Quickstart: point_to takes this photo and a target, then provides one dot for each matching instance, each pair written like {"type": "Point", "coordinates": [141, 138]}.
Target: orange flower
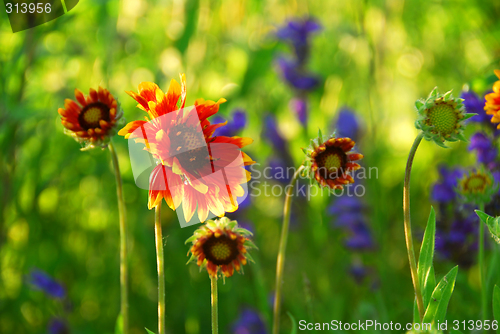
{"type": "Point", "coordinates": [492, 105]}
{"type": "Point", "coordinates": [202, 172]}
{"type": "Point", "coordinates": [221, 245]}
{"type": "Point", "coordinates": [330, 161]}
{"type": "Point", "coordinates": [94, 121]}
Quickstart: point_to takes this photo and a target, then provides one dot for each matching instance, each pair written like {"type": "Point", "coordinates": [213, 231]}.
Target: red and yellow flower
{"type": "Point", "coordinates": [93, 120]}
{"type": "Point", "coordinates": [330, 161]}
{"type": "Point", "coordinates": [492, 105]}
{"type": "Point", "coordinates": [195, 168]}
{"type": "Point", "coordinates": [221, 246]}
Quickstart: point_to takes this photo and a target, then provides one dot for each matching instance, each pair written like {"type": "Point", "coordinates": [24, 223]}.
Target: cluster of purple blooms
{"type": "Point", "coordinates": [457, 226]}
{"type": "Point", "coordinates": [293, 68]}
{"type": "Point", "coordinates": [349, 212]}
{"type": "Point", "coordinates": [40, 280]}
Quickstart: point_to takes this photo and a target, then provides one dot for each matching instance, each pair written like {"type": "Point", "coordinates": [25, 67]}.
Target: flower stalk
{"type": "Point", "coordinates": [282, 249]}
{"type": "Point", "coordinates": [215, 305]}
{"type": "Point", "coordinates": [481, 267]}
{"type": "Point", "coordinates": [161, 270]}
{"type": "Point", "coordinates": [407, 226]}
{"type": "Point", "coordinates": [123, 240]}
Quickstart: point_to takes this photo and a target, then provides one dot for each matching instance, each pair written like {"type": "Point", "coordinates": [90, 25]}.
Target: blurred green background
{"type": "Point", "coordinates": [58, 207]}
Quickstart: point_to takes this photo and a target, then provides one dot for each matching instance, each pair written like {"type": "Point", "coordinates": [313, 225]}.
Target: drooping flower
{"type": "Point", "coordinates": [93, 120]}
{"type": "Point", "coordinates": [330, 160]}
{"type": "Point", "coordinates": [195, 168]}
{"type": "Point", "coordinates": [42, 281]}
{"type": "Point", "coordinates": [444, 190]}
{"type": "Point", "coordinates": [248, 322]}
{"type": "Point", "coordinates": [492, 105]}
{"type": "Point", "coordinates": [478, 187]}
{"type": "Point", "coordinates": [441, 118]}
{"type": "Point", "coordinates": [221, 246]}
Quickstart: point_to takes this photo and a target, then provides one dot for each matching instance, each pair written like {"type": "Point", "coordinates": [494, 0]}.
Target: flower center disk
{"type": "Point", "coordinates": [443, 117]}
{"type": "Point", "coordinates": [331, 162]}
{"type": "Point", "coordinates": [221, 251]}
{"type": "Point", "coordinates": [92, 114]}
{"type": "Point", "coordinates": [189, 147]}
{"type": "Point", "coordinates": [475, 183]}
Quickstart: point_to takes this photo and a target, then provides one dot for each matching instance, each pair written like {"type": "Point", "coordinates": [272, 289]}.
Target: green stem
{"type": "Point", "coordinates": [215, 304]}
{"type": "Point", "coordinates": [407, 227]}
{"type": "Point", "coordinates": [123, 240]}
{"type": "Point", "coordinates": [280, 264]}
{"type": "Point", "coordinates": [161, 272]}
{"type": "Point", "coordinates": [481, 267]}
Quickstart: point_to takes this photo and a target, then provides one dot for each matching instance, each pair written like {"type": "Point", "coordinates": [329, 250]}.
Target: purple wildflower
{"type": "Point", "coordinates": [297, 32]}
{"type": "Point", "coordinates": [42, 281]}
{"type": "Point", "coordinates": [249, 322]}
{"type": "Point", "coordinates": [235, 123]}
{"type": "Point", "coordinates": [347, 124]}
{"type": "Point", "coordinates": [296, 76]}
{"type": "Point", "coordinates": [299, 105]}
{"type": "Point", "coordinates": [484, 147]}
{"type": "Point", "coordinates": [443, 191]}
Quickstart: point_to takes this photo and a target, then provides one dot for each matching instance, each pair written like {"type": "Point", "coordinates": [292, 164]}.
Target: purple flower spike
{"type": "Point", "coordinates": [444, 190]}
{"type": "Point", "coordinates": [42, 281]}
{"type": "Point", "coordinates": [474, 104]}
{"type": "Point", "coordinates": [297, 77]}
{"type": "Point", "coordinates": [297, 32]}
{"type": "Point", "coordinates": [347, 124]}
{"type": "Point", "coordinates": [236, 122]}
{"type": "Point", "coordinates": [484, 147]}
{"type": "Point", "coordinates": [299, 106]}
{"type": "Point", "coordinates": [271, 133]}
{"type": "Point", "coordinates": [249, 322]}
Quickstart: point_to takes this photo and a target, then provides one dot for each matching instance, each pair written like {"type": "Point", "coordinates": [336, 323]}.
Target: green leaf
{"type": "Point", "coordinates": [454, 331]}
{"type": "Point", "coordinates": [149, 332]}
{"type": "Point", "coordinates": [496, 303]}
{"type": "Point", "coordinates": [492, 223]}
{"type": "Point", "coordinates": [119, 324]}
{"type": "Point", "coordinates": [436, 310]}
{"type": "Point", "coordinates": [294, 323]}
{"type": "Point", "coordinates": [483, 216]}
{"type": "Point", "coordinates": [427, 255]}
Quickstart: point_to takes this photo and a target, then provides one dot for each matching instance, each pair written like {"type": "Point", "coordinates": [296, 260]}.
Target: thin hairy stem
{"type": "Point", "coordinates": [215, 305]}
{"type": "Point", "coordinates": [123, 240]}
{"type": "Point", "coordinates": [282, 249]}
{"type": "Point", "coordinates": [161, 270]}
{"type": "Point", "coordinates": [407, 227]}
{"type": "Point", "coordinates": [484, 308]}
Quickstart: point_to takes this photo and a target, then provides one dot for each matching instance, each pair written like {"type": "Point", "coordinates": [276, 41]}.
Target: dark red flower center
{"type": "Point", "coordinates": [331, 162]}
{"type": "Point", "coordinates": [92, 114]}
{"type": "Point", "coordinates": [189, 147]}
{"type": "Point", "coordinates": [220, 251]}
